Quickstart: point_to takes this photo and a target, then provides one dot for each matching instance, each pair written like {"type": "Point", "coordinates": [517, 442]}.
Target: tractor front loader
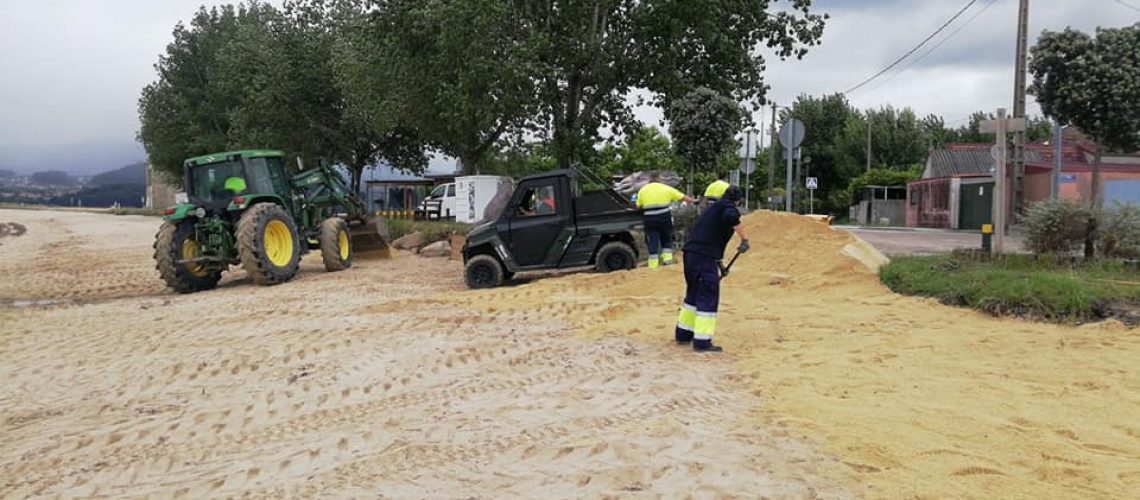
{"type": "Point", "coordinates": [243, 208]}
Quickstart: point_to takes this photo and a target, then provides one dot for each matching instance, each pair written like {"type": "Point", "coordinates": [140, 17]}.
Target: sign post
{"type": "Point", "coordinates": [812, 185]}
{"type": "Point", "coordinates": [749, 164]}
{"type": "Point", "coordinates": [791, 136]}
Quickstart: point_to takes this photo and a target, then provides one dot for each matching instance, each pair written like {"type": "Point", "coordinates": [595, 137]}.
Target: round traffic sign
{"type": "Point", "coordinates": [792, 133]}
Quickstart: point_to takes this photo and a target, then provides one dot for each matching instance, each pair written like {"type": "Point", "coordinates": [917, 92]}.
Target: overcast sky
{"type": "Point", "coordinates": [73, 69]}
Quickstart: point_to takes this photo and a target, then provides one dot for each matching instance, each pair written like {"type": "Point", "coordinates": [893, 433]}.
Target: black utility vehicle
{"type": "Point", "coordinates": [550, 223]}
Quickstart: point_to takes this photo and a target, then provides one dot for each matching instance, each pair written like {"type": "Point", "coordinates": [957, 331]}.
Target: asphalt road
{"type": "Point", "coordinates": [898, 241]}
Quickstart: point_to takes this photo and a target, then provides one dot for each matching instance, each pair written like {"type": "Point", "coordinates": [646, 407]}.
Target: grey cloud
{"type": "Point", "coordinates": [74, 69]}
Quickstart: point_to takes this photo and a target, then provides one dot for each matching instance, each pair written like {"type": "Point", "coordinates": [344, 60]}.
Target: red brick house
{"type": "Point", "coordinates": [956, 191]}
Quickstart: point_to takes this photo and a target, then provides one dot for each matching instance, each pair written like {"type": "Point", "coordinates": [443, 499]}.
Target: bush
{"type": "Point", "coordinates": [1118, 231]}
{"type": "Point", "coordinates": [433, 230]}
{"type": "Point", "coordinates": [1056, 226]}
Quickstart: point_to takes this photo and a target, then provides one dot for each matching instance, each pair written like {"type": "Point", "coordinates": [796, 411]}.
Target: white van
{"type": "Point", "coordinates": [439, 204]}
{"type": "Point", "coordinates": [464, 200]}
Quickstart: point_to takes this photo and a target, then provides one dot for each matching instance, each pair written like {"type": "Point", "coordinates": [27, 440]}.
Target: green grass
{"type": "Point", "coordinates": [433, 230]}
{"type": "Point", "coordinates": [1020, 285]}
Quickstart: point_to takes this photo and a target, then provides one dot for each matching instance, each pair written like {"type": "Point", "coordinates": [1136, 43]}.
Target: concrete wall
{"type": "Point", "coordinates": [159, 194]}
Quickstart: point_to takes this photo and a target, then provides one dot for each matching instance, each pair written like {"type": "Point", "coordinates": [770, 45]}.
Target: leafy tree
{"type": "Point", "coordinates": [897, 138]}
{"type": "Point", "coordinates": [456, 72]}
{"type": "Point", "coordinates": [825, 120]}
{"type": "Point", "coordinates": [646, 149]}
{"type": "Point", "coordinates": [519, 160]}
{"type": "Point", "coordinates": [253, 76]}
{"type": "Point", "coordinates": [1038, 128]}
{"type": "Point", "coordinates": [879, 177]}
{"type": "Point", "coordinates": [591, 54]}
{"type": "Point", "coordinates": [703, 125]}
{"type": "Point", "coordinates": [1093, 84]}
{"type": "Point", "coordinates": [185, 112]}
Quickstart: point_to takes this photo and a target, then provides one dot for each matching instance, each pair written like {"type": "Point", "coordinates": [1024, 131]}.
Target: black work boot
{"type": "Point", "coordinates": [683, 336]}
{"type": "Point", "coordinates": [706, 345]}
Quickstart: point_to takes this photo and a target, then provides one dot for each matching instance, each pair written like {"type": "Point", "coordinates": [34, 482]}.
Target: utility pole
{"type": "Point", "coordinates": [747, 158]}
{"type": "Point", "coordinates": [772, 156]}
{"type": "Point", "coordinates": [868, 143]}
{"type": "Point", "coordinates": [1057, 138]}
{"type": "Point", "coordinates": [1000, 127]}
{"type": "Point", "coordinates": [1019, 104]}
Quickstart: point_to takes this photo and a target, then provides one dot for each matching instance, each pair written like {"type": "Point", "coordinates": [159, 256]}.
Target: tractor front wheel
{"type": "Point", "coordinates": [177, 242]}
{"type": "Point", "coordinates": [268, 244]}
{"type": "Point", "coordinates": [336, 250]}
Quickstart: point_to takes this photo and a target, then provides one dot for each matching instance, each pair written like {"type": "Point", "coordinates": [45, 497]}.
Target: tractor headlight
{"type": "Point", "coordinates": [200, 213]}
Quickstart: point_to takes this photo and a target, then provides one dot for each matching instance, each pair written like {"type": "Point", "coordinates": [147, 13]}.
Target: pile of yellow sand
{"type": "Point", "coordinates": [916, 399]}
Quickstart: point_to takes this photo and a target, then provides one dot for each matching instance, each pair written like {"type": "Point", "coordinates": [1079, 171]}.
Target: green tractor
{"type": "Point", "coordinates": [243, 208]}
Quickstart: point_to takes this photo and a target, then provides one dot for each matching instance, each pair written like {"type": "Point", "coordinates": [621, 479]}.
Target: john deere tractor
{"type": "Point", "coordinates": [244, 208]}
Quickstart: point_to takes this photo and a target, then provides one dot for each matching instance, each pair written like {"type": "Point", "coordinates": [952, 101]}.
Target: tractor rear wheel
{"type": "Point", "coordinates": [175, 242]}
{"type": "Point", "coordinates": [336, 250]}
{"type": "Point", "coordinates": [268, 244]}
{"type": "Point", "coordinates": [483, 271]}
{"type": "Point", "coordinates": [615, 256]}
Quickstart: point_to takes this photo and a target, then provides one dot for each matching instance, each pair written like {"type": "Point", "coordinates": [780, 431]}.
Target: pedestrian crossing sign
{"type": "Point", "coordinates": [813, 183]}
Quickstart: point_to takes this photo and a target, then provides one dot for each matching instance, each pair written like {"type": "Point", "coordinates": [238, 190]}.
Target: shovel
{"type": "Point", "coordinates": [724, 269]}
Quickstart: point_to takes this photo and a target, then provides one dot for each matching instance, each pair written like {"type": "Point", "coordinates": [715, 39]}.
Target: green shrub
{"type": "Point", "coordinates": [433, 230]}
{"type": "Point", "coordinates": [1118, 231]}
{"type": "Point", "coordinates": [1056, 226]}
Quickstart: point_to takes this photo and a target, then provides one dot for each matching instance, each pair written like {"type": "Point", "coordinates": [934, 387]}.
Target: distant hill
{"type": "Point", "coordinates": [127, 195]}
{"type": "Point", "coordinates": [134, 173]}
{"type": "Point", "coordinates": [4, 173]}
{"type": "Point", "coordinates": [52, 178]}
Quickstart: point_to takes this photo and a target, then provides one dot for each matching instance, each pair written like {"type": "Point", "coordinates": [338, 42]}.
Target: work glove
{"type": "Point", "coordinates": [744, 246]}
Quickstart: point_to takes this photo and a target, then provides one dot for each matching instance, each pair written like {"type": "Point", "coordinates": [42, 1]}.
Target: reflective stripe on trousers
{"type": "Point", "coordinates": [686, 320]}
{"type": "Point", "coordinates": [702, 291]}
{"type": "Point", "coordinates": [704, 326]}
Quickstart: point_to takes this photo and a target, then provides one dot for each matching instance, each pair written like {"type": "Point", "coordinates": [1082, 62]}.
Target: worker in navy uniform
{"type": "Point", "coordinates": [655, 199]}
{"type": "Point", "coordinates": [715, 191]}
{"type": "Point", "coordinates": [703, 253]}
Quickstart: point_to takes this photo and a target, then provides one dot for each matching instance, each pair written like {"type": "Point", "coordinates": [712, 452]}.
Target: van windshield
{"type": "Point", "coordinates": [438, 191]}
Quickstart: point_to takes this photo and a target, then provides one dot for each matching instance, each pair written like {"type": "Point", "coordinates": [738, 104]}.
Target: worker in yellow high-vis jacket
{"type": "Point", "coordinates": [654, 199]}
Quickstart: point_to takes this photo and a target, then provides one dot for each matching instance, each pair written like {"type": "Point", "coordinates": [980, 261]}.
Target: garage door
{"type": "Point", "coordinates": [1122, 191]}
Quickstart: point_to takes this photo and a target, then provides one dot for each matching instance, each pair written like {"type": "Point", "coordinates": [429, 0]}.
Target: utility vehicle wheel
{"type": "Point", "coordinates": [615, 256]}
{"type": "Point", "coordinates": [268, 244]}
{"type": "Point", "coordinates": [484, 271]}
{"type": "Point", "coordinates": [175, 242]}
{"type": "Point", "coordinates": [336, 250]}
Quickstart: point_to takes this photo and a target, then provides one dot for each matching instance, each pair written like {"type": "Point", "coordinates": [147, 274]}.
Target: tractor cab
{"type": "Point", "coordinates": [225, 180]}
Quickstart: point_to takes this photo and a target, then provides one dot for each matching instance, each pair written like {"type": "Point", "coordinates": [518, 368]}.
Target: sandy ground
{"type": "Point", "coordinates": [388, 380]}
{"type": "Point", "coordinates": [917, 400]}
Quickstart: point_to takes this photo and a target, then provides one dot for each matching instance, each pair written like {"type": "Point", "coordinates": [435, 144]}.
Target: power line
{"type": "Point", "coordinates": [913, 50]}
{"type": "Point", "coordinates": [939, 44]}
{"type": "Point", "coordinates": [951, 35]}
{"type": "Point", "coordinates": [1121, 2]}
